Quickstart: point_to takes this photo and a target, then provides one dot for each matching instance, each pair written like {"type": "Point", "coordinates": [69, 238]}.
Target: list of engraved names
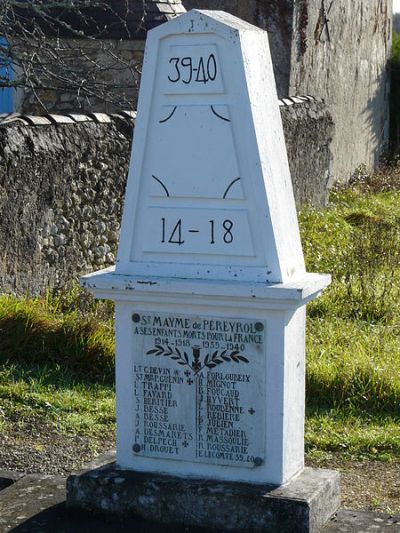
{"type": "Point", "coordinates": [199, 388]}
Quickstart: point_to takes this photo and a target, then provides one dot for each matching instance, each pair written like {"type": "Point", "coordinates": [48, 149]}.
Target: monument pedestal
{"type": "Point", "coordinates": [210, 376]}
{"type": "Point", "coordinates": [303, 505]}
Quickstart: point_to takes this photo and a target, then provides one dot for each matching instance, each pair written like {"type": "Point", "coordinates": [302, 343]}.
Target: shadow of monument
{"type": "Point", "coordinates": [60, 519]}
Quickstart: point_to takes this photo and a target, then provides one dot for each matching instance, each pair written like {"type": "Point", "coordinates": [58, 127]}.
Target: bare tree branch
{"type": "Point", "coordinates": [78, 47]}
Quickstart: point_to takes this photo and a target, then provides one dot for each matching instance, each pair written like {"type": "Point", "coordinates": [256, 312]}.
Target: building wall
{"type": "Point", "coordinates": [116, 65]}
{"type": "Point", "coordinates": [345, 61]}
{"type": "Point", "coordinates": [62, 189]}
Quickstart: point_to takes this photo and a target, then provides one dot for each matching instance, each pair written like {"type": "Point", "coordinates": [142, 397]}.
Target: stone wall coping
{"type": "Point", "coordinates": [104, 118]}
{"type": "Point", "coordinates": [70, 118]}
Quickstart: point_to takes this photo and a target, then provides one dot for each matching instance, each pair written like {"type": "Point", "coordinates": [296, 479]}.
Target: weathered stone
{"type": "Point", "coordinates": [46, 195]}
{"type": "Point", "coordinates": [309, 130]}
{"type": "Point", "coordinates": [302, 505]}
{"type": "Point", "coordinates": [59, 240]}
{"type": "Point", "coordinates": [27, 497]}
{"type": "Point", "coordinates": [52, 174]}
{"type": "Point", "coordinates": [37, 504]}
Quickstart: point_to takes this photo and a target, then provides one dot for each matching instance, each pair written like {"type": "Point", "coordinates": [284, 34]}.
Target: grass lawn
{"type": "Point", "coordinates": [56, 356]}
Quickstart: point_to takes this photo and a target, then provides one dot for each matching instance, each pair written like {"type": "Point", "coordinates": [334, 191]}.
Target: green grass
{"type": "Point", "coordinates": [57, 352]}
{"type": "Point", "coordinates": [353, 329]}
{"type": "Point", "coordinates": [57, 399]}
{"type": "Point", "coordinates": [57, 364]}
{"type": "Point", "coordinates": [352, 433]}
{"type": "Point", "coordinates": [68, 329]}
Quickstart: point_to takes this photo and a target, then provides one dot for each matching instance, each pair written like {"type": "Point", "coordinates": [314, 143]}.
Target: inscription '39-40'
{"type": "Point", "coordinates": [198, 70]}
{"type": "Point", "coordinates": [192, 69]}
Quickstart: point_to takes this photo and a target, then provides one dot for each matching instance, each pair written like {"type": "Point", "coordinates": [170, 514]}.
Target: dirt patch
{"type": "Point", "coordinates": [367, 485]}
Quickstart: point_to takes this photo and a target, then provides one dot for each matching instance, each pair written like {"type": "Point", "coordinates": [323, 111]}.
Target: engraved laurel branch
{"type": "Point", "coordinates": [211, 360]}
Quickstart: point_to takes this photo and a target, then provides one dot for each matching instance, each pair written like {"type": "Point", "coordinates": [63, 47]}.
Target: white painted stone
{"type": "Point", "coordinates": [209, 178]}
{"type": "Point", "coordinates": [279, 307]}
{"type": "Point", "coordinates": [210, 285]}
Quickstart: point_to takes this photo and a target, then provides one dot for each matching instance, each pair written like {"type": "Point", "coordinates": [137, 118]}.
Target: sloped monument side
{"type": "Point", "coordinates": [210, 290]}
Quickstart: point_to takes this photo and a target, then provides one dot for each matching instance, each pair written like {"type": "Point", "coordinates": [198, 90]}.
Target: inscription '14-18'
{"type": "Point", "coordinates": [174, 234]}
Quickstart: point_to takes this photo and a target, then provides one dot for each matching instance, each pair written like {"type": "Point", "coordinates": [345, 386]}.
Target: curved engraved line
{"type": "Point", "coordinates": [162, 185]}
{"type": "Point", "coordinates": [219, 116]}
{"type": "Point", "coordinates": [169, 116]}
{"type": "Point", "coordinates": [230, 186]}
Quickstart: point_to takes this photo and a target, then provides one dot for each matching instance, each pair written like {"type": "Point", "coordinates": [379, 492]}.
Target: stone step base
{"type": "Point", "coordinates": [28, 497]}
{"type": "Point", "coordinates": [304, 505]}
{"type": "Point", "coordinates": [36, 503]}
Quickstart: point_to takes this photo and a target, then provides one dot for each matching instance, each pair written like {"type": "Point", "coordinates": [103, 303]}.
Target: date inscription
{"type": "Point", "coordinates": [198, 231]}
{"type": "Point", "coordinates": [188, 69]}
{"type": "Point", "coordinates": [192, 70]}
{"type": "Point", "coordinates": [173, 234]}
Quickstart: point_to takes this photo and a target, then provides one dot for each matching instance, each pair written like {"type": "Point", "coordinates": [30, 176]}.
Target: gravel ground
{"type": "Point", "coordinates": [369, 485]}
{"type": "Point", "coordinates": [45, 451]}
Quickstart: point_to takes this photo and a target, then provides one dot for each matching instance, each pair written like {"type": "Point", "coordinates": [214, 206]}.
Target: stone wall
{"type": "Point", "coordinates": [61, 191]}
{"type": "Point", "coordinates": [62, 183]}
{"type": "Point", "coordinates": [309, 130]}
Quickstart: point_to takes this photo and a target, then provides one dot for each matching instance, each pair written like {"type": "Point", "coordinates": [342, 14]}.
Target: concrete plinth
{"type": "Point", "coordinates": [302, 505]}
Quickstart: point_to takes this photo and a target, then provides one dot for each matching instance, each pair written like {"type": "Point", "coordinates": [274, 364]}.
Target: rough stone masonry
{"type": "Point", "coordinates": [62, 184]}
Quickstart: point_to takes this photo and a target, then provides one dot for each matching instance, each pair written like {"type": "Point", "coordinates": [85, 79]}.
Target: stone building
{"type": "Point", "coordinates": [108, 55]}
{"type": "Point", "coordinates": [337, 50]}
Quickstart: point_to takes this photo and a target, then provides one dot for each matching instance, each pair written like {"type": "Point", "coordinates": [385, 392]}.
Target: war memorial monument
{"type": "Point", "coordinates": [210, 293]}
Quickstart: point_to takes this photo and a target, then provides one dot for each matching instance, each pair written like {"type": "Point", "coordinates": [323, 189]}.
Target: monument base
{"type": "Point", "coordinates": [304, 504]}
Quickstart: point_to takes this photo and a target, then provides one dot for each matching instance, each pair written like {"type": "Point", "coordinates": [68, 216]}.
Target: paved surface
{"type": "Point", "coordinates": [36, 504]}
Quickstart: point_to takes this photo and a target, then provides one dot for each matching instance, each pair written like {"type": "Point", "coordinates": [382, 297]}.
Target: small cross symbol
{"type": "Point", "coordinates": [190, 381]}
{"type": "Point", "coordinates": [251, 411]}
{"type": "Point", "coordinates": [187, 373]}
{"type": "Point", "coordinates": [185, 444]}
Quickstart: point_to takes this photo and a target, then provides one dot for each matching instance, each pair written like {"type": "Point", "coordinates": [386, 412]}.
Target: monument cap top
{"type": "Point", "coordinates": [203, 19]}
{"type": "Point", "coordinates": [209, 193]}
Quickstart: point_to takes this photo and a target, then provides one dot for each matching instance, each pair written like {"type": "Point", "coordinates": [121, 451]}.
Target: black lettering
{"type": "Point", "coordinates": [178, 74]}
